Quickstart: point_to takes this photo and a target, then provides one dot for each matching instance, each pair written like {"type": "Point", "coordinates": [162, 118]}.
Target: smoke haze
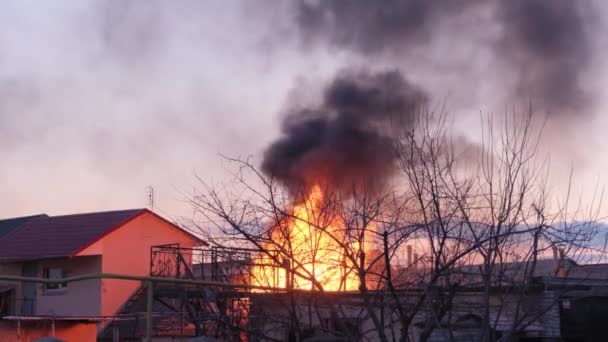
{"type": "Point", "coordinates": [545, 44]}
{"type": "Point", "coordinates": [99, 99]}
{"type": "Point", "coordinates": [548, 45]}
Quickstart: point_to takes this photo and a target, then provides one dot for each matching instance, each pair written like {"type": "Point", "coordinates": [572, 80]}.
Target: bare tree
{"type": "Point", "coordinates": [479, 218]}
{"type": "Point", "coordinates": [485, 219]}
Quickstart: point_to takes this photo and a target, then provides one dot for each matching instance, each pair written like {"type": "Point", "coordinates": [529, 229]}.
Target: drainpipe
{"type": "Point", "coordinates": [115, 333]}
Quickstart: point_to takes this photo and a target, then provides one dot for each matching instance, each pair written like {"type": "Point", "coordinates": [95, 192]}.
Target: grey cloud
{"type": "Point", "coordinates": [546, 44]}
{"type": "Point", "coordinates": [549, 45]}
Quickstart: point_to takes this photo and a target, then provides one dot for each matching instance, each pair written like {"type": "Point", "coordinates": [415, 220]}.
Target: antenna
{"type": "Point", "coordinates": [150, 196]}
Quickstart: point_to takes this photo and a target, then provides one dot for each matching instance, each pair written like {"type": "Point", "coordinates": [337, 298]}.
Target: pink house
{"type": "Point", "coordinates": [65, 246]}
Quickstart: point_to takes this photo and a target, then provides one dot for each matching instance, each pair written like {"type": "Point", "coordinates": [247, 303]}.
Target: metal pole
{"type": "Point", "coordinates": [115, 332]}
{"type": "Point", "coordinates": [149, 302]}
{"type": "Point", "coordinates": [166, 280]}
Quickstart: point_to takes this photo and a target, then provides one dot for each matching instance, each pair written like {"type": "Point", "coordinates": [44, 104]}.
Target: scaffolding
{"type": "Point", "coordinates": [217, 311]}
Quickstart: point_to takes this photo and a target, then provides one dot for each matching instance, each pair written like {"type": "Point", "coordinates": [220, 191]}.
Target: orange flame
{"type": "Point", "coordinates": [313, 246]}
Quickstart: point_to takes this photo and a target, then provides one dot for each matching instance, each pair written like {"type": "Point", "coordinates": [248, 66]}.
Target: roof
{"type": "Point", "coordinates": [8, 225]}
{"type": "Point", "coordinates": [502, 275]}
{"type": "Point", "coordinates": [43, 236]}
{"type": "Point", "coordinates": [591, 271]}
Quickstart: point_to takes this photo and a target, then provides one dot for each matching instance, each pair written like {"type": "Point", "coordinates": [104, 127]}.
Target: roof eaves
{"type": "Point", "coordinates": [141, 212]}
{"type": "Point", "coordinates": [31, 258]}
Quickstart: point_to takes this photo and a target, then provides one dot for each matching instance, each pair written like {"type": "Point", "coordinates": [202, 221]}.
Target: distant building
{"type": "Point", "coordinates": [118, 242]}
{"type": "Point", "coordinates": [563, 301]}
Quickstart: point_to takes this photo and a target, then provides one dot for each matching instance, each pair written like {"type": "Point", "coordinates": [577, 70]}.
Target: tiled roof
{"type": "Point", "coordinates": [8, 225]}
{"type": "Point", "coordinates": [45, 236]}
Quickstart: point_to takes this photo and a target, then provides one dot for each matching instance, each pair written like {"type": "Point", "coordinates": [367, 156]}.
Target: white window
{"type": "Point", "coordinates": [54, 273]}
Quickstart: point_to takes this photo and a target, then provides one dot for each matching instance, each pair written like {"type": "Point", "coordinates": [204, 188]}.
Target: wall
{"type": "Point", "coordinates": [80, 298]}
{"type": "Point", "coordinates": [127, 251]}
{"type": "Point", "coordinates": [32, 330]}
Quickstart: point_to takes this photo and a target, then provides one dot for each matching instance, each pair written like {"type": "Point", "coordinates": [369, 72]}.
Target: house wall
{"type": "Point", "coordinates": [32, 330]}
{"type": "Point", "coordinates": [80, 298]}
{"type": "Point", "coordinates": [127, 251]}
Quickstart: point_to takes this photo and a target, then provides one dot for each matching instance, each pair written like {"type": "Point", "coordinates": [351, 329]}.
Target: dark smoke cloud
{"type": "Point", "coordinates": [548, 44]}
{"type": "Point", "coordinates": [545, 44]}
{"type": "Point", "coordinates": [343, 141]}
{"type": "Point", "coordinates": [372, 27]}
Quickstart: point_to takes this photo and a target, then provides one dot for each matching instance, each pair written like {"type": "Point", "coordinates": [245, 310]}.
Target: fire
{"type": "Point", "coordinates": [312, 244]}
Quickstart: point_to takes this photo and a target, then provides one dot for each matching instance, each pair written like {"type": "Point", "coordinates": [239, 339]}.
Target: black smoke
{"type": "Point", "coordinates": [545, 44]}
{"type": "Point", "coordinates": [343, 142]}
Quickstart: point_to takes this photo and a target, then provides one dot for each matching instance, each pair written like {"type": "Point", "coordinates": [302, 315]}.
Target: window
{"type": "Point", "coordinates": [7, 301]}
{"type": "Point", "coordinates": [54, 273]}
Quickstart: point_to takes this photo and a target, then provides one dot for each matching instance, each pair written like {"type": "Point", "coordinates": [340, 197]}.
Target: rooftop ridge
{"type": "Point", "coordinates": [23, 217]}
{"type": "Point", "coordinates": [98, 212]}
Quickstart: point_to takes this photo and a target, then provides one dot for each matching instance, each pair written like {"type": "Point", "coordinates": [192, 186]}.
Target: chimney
{"type": "Point", "coordinates": [410, 262]}
{"type": "Point", "coordinates": [555, 261]}
{"type": "Point", "coordinates": [562, 263]}
{"type": "Point", "coordinates": [559, 267]}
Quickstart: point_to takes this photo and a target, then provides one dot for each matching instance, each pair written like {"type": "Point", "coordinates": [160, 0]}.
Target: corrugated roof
{"type": "Point", "coordinates": [60, 236]}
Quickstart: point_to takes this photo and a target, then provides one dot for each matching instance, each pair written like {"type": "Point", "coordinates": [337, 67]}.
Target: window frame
{"type": "Point", "coordinates": [54, 272]}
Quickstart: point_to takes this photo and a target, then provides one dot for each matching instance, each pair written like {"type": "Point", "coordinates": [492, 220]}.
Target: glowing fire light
{"type": "Point", "coordinates": [312, 244]}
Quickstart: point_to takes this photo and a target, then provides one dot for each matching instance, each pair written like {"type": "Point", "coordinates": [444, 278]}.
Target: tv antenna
{"type": "Point", "coordinates": [150, 196]}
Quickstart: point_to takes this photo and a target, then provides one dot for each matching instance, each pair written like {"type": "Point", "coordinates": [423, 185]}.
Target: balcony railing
{"type": "Point", "coordinates": [214, 264]}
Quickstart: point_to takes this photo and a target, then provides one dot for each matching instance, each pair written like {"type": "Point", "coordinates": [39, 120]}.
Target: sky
{"type": "Point", "coordinates": [100, 99]}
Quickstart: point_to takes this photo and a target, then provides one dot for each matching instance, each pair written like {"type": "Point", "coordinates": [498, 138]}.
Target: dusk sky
{"type": "Point", "coordinates": [99, 99]}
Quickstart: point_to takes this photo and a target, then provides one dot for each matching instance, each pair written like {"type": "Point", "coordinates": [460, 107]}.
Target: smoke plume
{"type": "Point", "coordinates": [545, 44]}
{"type": "Point", "coordinates": [344, 141]}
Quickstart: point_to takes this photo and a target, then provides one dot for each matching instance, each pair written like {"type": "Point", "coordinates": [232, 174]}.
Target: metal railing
{"type": "Point", "coordinates": [221, 264]}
